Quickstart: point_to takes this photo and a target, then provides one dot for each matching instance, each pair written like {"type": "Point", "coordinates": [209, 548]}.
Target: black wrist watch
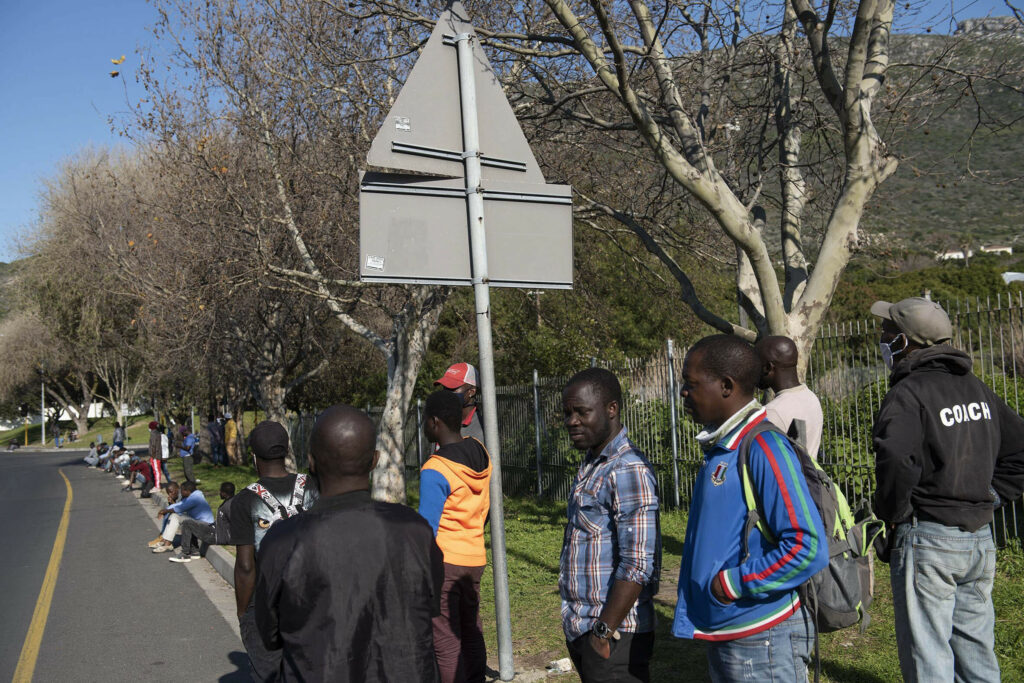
{"type": "Point", "coordinates": [601, 630]}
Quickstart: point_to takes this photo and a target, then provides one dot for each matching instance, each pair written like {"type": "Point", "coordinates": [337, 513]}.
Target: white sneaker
{"type": "Point", "coordinates": [180, 558]}
{"type": "Point", "coordinates": [120, 476]}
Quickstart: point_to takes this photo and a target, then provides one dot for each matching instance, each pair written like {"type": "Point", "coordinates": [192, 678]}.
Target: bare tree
{"type": "Point", "coordinates": [299, 92]}
{"type": "Point", "coordinates": [693, 126]}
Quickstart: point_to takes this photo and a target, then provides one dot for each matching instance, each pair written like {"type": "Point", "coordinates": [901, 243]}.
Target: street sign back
{"type": "Point", "coordinates": [423, 131]}
{"type": "Point", "coordinates": [414, 230]}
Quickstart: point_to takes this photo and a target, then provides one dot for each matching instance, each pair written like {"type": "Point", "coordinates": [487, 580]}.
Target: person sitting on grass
{"type": "Point", "coordinates": [194, 531]}
{"type": "Point", "coordinates": [192, 505]}
{"type": "Point", "coordinates": [173, 491]}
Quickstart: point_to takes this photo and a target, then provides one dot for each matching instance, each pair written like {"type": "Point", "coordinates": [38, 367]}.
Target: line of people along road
{"type": "Point", "coordinates": [332, 585]}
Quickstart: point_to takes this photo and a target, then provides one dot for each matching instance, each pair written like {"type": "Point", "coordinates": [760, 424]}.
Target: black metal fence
{"type": "Point", "coordinates": [845, 370]}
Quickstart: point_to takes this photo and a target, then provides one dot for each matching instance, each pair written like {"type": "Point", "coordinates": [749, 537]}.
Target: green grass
{"type": "Point", "coordinates": [211, 478]}
{"type": "Point", "coordinates": [533, 535]}
{"type": "Point", "coordinates": [136, 432]}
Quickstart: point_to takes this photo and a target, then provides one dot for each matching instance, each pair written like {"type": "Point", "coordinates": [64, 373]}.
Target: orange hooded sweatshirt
{"type": "Point", "coordinates": [455, 491]}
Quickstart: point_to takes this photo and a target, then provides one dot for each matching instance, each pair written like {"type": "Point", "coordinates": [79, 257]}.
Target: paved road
{"type": "Point", "coordinates": [119, 612]}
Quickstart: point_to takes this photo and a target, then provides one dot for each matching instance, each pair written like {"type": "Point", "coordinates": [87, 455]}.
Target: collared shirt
{"type": "Point", "coordinates": [613, 534]}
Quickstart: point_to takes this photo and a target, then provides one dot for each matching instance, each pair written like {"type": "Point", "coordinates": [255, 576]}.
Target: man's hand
{"type": "Point", "coordinates": [718, 592]}
{"type": "Point", "coordinates": [601, 646]}
{"type": "Point", "coordinates": [161, 513]}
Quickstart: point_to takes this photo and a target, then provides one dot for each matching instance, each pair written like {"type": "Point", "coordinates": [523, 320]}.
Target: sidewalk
{"type": "Point", "coordinates": [223, 562]}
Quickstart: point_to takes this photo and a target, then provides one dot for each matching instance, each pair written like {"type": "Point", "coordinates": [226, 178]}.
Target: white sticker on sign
{"type": "Point", "coordinates": [402, 123]}
{"type": "Point", "coordinates": [375, 262]}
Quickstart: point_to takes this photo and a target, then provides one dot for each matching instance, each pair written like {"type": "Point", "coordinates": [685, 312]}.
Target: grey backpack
{"type": "Point", "coordinates": [839, 595]}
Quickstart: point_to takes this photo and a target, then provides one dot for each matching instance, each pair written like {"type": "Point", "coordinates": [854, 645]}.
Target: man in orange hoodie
{"type": "Point", "coordinates": [455, 499]}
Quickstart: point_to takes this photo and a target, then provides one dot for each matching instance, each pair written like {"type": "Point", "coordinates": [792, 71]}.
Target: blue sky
{"type": "Point", "coordinates": [56, 93]}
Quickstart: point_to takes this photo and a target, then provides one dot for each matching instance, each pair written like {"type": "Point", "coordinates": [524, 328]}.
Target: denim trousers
{"type": "Point", "coordinates": [780, 654]}
{"type": "Point", "coordinates": [942, 595]}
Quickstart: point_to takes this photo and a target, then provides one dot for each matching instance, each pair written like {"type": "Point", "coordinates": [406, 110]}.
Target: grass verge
{"type": "Point", "coordinates": [533, 534]}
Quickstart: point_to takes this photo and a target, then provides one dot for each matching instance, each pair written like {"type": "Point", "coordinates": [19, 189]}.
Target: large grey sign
{"type": "Point", "coordinates": [414, 228]}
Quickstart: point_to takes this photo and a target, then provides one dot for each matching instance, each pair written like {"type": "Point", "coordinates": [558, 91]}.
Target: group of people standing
{"type": "Point", "coordinates": [949, 452]}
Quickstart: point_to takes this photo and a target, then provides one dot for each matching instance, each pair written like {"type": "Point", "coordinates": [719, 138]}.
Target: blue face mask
{"type": "Point", "coordinates": [888, 353]}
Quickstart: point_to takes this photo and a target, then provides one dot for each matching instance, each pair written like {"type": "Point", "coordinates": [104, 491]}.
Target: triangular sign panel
{"type": "Point", "coordinates": [423, 131]}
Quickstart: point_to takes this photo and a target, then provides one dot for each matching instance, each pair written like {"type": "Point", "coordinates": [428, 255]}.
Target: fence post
{"type": "Point", "coordinates": [419, 430]}
{"type": "Point", "coordinates": [536, 429]}
{"type": "Point", "coordinates": [673, 421]}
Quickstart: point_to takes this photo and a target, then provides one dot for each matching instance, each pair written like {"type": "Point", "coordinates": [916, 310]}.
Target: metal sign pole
{"type": "Point", "coordinates": [42, 413]}
{"type": "Point", "coordinates": [674, 421]}
{"type": "Point", "coordinates": [482, 295]}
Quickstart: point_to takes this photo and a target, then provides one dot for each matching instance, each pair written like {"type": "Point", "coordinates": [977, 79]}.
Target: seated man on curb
{"type": "Point", "coordinates": [93, 459]}
{"type": "Point", "coordinates": [196, 531]}
{"type": "Point", "coordinates": [122, 461]}
{"type": "Point", "coordinates": [141, 467]}
{"type": "Point", "coordinates": [172, 491]}
{"type": "Point", "coordinates": [192, 505]}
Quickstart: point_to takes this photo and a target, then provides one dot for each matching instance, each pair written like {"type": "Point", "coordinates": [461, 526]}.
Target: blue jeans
{"type": "Point", "coordinates": [780, 654]}
{"type": "Point", "coordinates": [942, 596]}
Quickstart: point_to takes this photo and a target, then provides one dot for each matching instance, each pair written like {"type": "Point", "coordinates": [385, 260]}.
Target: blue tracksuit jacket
{"type": "Point", "coordinates": [764, 587]}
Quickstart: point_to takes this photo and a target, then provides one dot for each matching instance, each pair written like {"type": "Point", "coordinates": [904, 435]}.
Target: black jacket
{"type": "Point", "coordinates": [943, 441]}
{"type": "Point", "coordinates": [348, 589]}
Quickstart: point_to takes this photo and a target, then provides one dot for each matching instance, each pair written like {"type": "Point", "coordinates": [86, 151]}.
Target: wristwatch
{"type": "Point", "coordinates": [601, 630]}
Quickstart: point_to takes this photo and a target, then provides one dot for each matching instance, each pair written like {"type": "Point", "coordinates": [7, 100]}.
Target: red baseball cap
{"type": "Point", "coordinates": [457, 375]}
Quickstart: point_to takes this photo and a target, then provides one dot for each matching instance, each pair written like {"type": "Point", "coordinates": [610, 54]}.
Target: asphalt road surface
{"type": "Point", "coordinates": [118, 612]}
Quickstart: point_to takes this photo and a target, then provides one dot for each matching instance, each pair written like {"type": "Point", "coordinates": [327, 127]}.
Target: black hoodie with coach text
{"type": "Point", "coordinates": [945, 444]}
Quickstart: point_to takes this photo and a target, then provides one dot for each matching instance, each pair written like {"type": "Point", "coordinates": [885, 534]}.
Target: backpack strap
{"type": "Point", "coordinates": [298, 494]}
{"type": "Point", "coordinates": [279, 511]}
{"type": "Point", "coordinates": [755, 515]}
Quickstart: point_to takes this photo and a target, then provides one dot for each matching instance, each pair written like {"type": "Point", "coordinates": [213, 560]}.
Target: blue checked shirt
{"type": "Point", "coordinates": [613, 533]}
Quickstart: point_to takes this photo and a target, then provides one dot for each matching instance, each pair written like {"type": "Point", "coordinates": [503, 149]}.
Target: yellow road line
{"type": "Point", "coordinates": [34, 637]}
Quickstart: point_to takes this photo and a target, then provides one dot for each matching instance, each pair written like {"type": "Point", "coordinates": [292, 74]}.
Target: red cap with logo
{"type": "Point", "coordinates": [457, 375]}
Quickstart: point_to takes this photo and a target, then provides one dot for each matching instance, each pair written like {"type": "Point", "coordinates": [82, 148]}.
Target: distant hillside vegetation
{"type": "Point", "coordinates": [960, 176]}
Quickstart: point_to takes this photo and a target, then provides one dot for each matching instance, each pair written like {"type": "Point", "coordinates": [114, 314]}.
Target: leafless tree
{"type": "Point", "coordinates": [695, 126]}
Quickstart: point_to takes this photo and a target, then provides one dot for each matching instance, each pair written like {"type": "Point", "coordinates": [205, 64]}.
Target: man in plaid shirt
{"type": "Point", "coordinates": [611, 552]}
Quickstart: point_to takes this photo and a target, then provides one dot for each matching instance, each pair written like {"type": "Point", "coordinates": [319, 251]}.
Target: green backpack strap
{"type": "Point", "coordinates": [755, 515]}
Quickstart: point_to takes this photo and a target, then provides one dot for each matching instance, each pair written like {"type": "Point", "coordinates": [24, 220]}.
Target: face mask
{"type": "Point", "coordinates": [888, 353]}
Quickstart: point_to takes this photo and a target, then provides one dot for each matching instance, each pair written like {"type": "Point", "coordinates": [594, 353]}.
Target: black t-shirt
{"type": "Point", "coordinates": [250, 515]}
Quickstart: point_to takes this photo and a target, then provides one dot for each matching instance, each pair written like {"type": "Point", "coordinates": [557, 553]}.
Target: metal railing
{"type": "Point", "coordinates": [845, 370]}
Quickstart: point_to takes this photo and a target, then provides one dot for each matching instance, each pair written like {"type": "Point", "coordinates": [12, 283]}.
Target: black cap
{"type": "Point", "coordinates": [269, 440]}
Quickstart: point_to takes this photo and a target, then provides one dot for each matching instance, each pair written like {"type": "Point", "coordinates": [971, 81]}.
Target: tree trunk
{"type": "Point", "coordinates": [413, 330]}
{"type": "Point", "coordinates": [271, 396]}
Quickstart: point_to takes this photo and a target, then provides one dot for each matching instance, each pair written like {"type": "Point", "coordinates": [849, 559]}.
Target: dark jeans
{"type": "Point", "coordinates": [192, 529]}
{"type": "Point", "coordinates": [629, 661]}
{"type": "Point", "coordinates": [458, 631]}
{"type": "Point", "coordinates": [264, 664]}
{"type": "Point", "coordinates": [186, 463]}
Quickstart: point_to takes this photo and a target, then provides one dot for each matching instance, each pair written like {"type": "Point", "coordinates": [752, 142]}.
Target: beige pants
{"type": "Point", "coordinates": [173, 524]}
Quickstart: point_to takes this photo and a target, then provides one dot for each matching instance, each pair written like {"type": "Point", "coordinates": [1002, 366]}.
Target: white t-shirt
{"type": "Point", "coordinates": [798, 403]}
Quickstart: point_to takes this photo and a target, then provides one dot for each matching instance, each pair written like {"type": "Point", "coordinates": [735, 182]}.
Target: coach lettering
{"type": "Point", "coordinates": [971, 412]}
